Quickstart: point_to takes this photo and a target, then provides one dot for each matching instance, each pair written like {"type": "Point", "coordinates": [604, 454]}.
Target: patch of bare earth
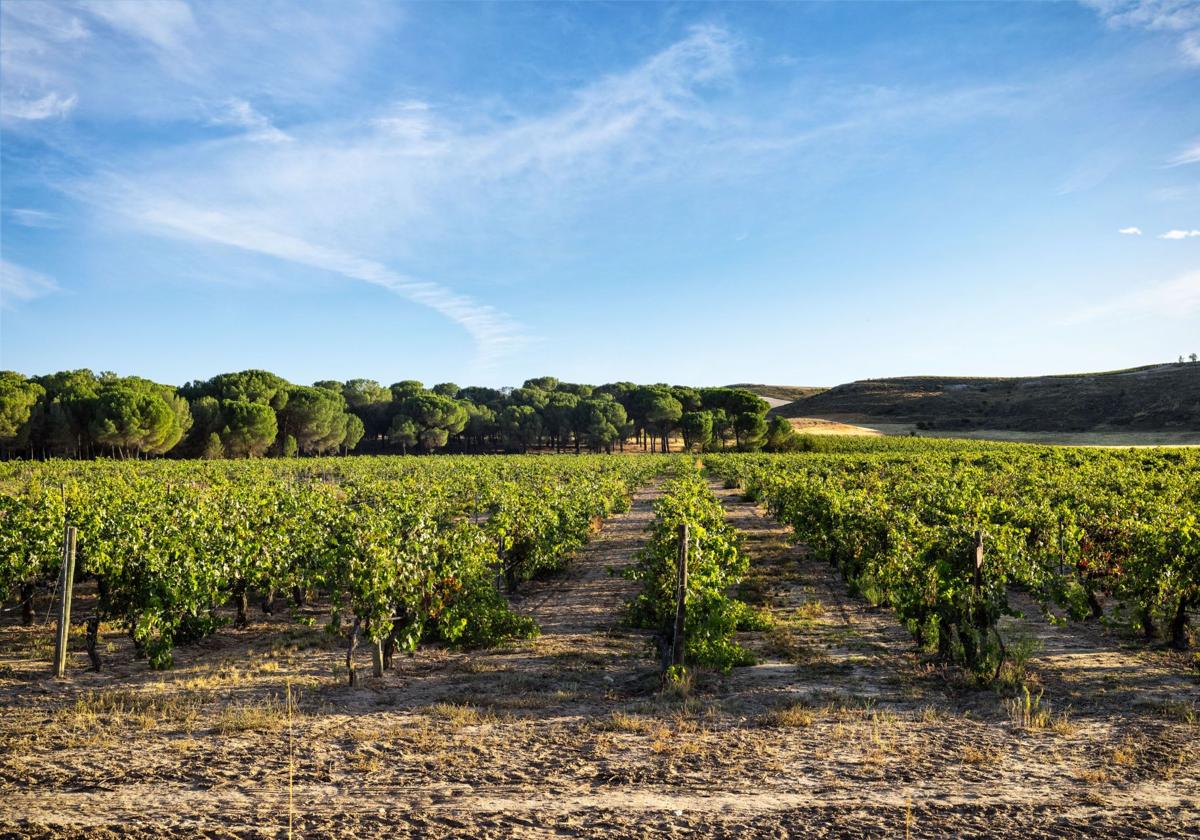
{"type": "Point", "coordinates": [841, 731]}
{"type": "Point", "coordinates": [820, 426]}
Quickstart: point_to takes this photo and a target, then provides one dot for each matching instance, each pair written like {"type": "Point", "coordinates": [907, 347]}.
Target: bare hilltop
{"type": "Point", "coordinates": [1161, 398]}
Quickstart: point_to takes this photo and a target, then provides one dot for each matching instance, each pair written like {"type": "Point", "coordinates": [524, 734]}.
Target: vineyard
{"type": "Point", "coordinates": [719, 643]}
{"type": "Point", "coordinates": [941, 533]}
{"type": "Point", "coordinates": [404, 549]}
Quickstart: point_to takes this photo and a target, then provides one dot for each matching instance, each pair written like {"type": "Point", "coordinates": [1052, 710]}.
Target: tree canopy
{"type": "Point", "coordinates": [253, 413]}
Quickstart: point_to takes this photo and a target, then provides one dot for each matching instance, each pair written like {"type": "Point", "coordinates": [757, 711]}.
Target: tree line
{"type": "Point", "coordinates": [255, 413]}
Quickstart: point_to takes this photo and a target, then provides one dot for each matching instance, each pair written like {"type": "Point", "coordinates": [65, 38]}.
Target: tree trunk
{"type": "Point", "coordinates": [268, 602]}
{"type": "Point", "coordinates": [1149, 631]}
{"type": "Point", "coordinates": [1003, 654]}
{"type": "Point", "coordinates": [511, 582]}
{"type": "Point", "coordinates": [299, 596]}
{"type": "Point", "coordinates": [1097, 611]}
{"type": "Point", "coordinates": [93, 633]}
{"type": "Point", "coordinates": [389, 644]}
{"type": "Point", "coordinates": [242, 605]}
{"type": "Point", "coordinates": [1179, 623]}
{"type": "Point", "coordinates": [27, 604]}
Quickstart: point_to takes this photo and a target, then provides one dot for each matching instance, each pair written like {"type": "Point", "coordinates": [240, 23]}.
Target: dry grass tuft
{"type": "Point", "coordinates": [478, 665]}
{"type": "Point", "coordinates": [979, 756]}
{"type": "Point", "coordinates": [1183, 711]}
{"type": "Point", "coordinates": [95, 712]}
{"type": "Point", "coordinates": [809, 612]}
{"type": "Point", "coordinates": [1028, 712]}
{"type": "Point", "coordinates": [932, 714]}
{"type": "Point", "coordinates": [676, 743]}
{"type": "Point", "coordinates": [1127, 753]}
{"type": "Point", "coordinates": [268, 715]}
{"type": "Point", "coordinates": [795, 716]}
{"type": "Point", "coordinates": [1014, 673]}
{"type": "Point", "coordinates": [624, 722]}
{"type": "Point", "coordinates": [461, 714]}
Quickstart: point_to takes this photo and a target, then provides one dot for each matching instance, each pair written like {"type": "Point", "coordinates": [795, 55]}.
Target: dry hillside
{"type": "Point", "coordinates": [1158, 397]}
{"type": "Point", "coordinates": [779, 392]}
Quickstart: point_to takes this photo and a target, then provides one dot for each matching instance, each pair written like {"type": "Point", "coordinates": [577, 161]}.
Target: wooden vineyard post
{"type": "Point", "coordinates": [351, 645]}
{"type": "Point", "coordinates": [978, 561]}
{"type": "Point", "coordinates": [64, 608]}
{"type": "Point", "coordinates": [677, 641]}
{"type": "Point", "coordinates": [377, 657]}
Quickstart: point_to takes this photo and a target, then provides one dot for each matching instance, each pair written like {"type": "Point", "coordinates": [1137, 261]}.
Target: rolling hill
{"type": "Point", "coordinates": [779, 392]}
{"type": "Point", "coordinates": [1154, 397]}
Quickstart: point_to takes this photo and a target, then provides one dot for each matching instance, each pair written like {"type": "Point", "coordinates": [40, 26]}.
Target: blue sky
{"type": "Point", "coordinates": [786, 193]}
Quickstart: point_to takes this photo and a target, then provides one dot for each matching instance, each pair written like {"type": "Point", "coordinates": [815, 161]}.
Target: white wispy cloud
{"type": "Point", "coordinates": [33, 86]}
{"type": "Point", "coordinates": [381, 196]}
{"type": "Point", "coordinates": [494, 332]}
{"type": "Point", "coordinates": [412, 125]}
{"type": "Point", "coordinates": [168, 59]}
{"type": "Point", "coordinates": [1179, 234]}
{"type": "Point", "coordinates": [1177, 16]}
{"type": "Point", "coordinates": [167, 24]}
{"type": "Point", "coordinates": [1174, 299]}
{"type": "Point", "coordinates": [1091, 171]}
{"type": "Point", "coordinates": [30, 217]}
{"type": "Point", "coordinates": [19, 284]}
{"type": "Point", "coordinates": [240, 113]}
{"type": "Point", "coordinates": [1188, 155]}
{"type": "Point", "coordinates": [16, 106]}
{"type": "Point", "coordinates": [1131, 231]}
{"type": "Point", "coordinates": [1169, 15]}
{"type": "Point", "coordinates": [344, 197]}
{"type": "Point", "coordinates": [1191, 47]}
{"type": "Point", "coordinates": [631, 105]}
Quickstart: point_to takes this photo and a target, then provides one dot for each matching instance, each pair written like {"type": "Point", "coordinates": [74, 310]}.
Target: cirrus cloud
{"type": "Point", "coordinates": [1188, 155]}
{"type": "Point", "coordinates": [1174, 299]}
{"type": "Point", "coordinates": [335, 196]}
{"type": "Point", "coordinates": [19, 284]}
{"type": "Point", "coordinates": [1176, 16]}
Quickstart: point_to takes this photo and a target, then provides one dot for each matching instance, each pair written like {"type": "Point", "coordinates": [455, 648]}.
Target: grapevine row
{"type": "Point", "coordinates": [1075, 528]}
{"type": "Point", "coordinates": [406, 549]}
{"type": "Point", "coordinates": [715, 565]}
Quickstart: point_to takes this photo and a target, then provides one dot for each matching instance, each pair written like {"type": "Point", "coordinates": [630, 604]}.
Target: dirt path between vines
{"type": "Point", "coordinates": [842, 730]}
{"type": "Point", "coordinates": [589, 596]}
{"type": "Point", "coordinates": [824, 641]}
{"type": "Point", "coordinates": [1091, 667]}
{"type": "Point", "coordinates": [1110, 747]}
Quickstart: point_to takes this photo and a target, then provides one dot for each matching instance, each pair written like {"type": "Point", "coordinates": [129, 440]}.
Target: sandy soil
{"type": "Point", "coordinates": [842, 730]}
{"type": "Point", "coordinates": [817, 426]}
{"type": "Point", "coordinates": [1100, 438]}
